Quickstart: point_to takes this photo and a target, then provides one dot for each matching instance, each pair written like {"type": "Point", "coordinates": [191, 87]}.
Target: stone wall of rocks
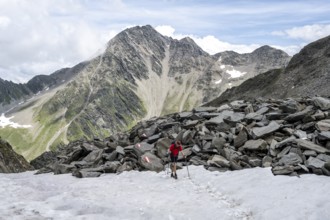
{"type": "Point", "coordinates": [291, 136]}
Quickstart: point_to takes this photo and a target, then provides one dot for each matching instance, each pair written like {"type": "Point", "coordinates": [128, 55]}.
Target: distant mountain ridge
{"type": "Point", "coordinates": [141, 74]}
{"type": "Point", "coordinates": [252, 64]}
{"type": "Point", "coordinates": [12, 93]}
{"type": "Point", "coordinates": [307, 74]}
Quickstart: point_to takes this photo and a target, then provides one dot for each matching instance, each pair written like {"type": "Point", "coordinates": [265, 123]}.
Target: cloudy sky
{"type": "Point", "coordinates": [41, 36]}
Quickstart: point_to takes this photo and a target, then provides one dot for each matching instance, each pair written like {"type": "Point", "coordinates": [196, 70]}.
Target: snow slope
{"type": "Point", "coordinates": [246, 194]}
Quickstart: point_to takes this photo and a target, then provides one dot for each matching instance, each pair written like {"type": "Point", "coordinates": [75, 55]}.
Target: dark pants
{"type": "Point", "coordinates": [174, 159]}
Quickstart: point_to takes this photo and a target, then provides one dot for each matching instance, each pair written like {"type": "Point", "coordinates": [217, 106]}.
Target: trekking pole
{"type": "Point", "coordinates": [168, 166]}
{"type": "Point", "coordinates": [165, 169]}
{"type": "Point", "coordinates": [187, 167]}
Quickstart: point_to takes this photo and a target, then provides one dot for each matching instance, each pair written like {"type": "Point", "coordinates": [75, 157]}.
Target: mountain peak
{"type": "Point", "coordinates": [139, 31]}
{"type": "Point", "coordinates": [268, 49]}
{"type": "Point", "coordinates": [265, 52]}
{"type": "Point", "coordinates": [190, 43]}
{"type": "Point", "coordinates": [138, 35]}
{"type": "Point", "coordinates": [188, 40]}
{"type": "Point", "coordinates": [143, 28]}
{"type": "Point", "coordinates": [265, 47]}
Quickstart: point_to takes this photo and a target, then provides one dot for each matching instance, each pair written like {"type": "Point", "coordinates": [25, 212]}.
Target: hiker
{"type": "Point", "coordinates": [173, 151]}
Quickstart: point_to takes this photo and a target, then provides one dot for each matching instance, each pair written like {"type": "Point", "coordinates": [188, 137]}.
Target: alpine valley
{"type": "Point", "coordinates": [140, 75]}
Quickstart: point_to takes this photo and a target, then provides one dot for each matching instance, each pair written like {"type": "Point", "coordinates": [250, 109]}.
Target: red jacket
{"type": "Point", "coordinates": [175, 150]}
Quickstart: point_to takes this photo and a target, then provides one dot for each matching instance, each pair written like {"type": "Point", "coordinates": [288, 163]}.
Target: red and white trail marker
{"type": "Point", "coordinates": [147, 159]}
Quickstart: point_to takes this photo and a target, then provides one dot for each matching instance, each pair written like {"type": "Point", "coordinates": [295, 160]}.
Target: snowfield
{"type": "Point", "coordinates": [246, 194]}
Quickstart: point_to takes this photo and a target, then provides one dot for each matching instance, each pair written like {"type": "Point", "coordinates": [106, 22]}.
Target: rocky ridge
{"type": "Point", "coordinates": [10, 161]}
{"type": "Point", "coordinates": [307, 74]}
{"type": "Point", "coordinates": [237, 68]}
{"type": "Point", "coordinates": [292, 136]}
{"type": "Point", "coordinates": [13, 93]}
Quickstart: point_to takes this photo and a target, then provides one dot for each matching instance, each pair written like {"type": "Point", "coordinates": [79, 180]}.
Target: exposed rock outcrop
{"type": "Point", "coordinates": [10, 161]}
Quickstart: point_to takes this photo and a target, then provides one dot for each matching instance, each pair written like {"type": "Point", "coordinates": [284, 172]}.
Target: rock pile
{"type": "Point", "coordinates": [292, 136]}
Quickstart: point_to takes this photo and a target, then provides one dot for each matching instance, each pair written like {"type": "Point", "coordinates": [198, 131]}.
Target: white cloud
{"type": "Point", "coordinates": [4, 21]}
{"type": "Point", "coordinates": [165, 30]}
{"type": "Point", "coordinates": [291, 49]}
{"type": "Point", "coordinates": [307, 32]}
{"type": "Point", "coordinates": [44, 36]}
{"type": "Point", "coordinates": [208, 43]}
{"type": "Point", "coordinates": [213, 45]}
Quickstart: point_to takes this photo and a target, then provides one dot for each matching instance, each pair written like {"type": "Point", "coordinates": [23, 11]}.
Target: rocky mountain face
{"type": "Point", "coordinates": [11, 92]}
{"type": "Point", "coordinates": [10, 161]}
{"type": "Point", "coordinates": [291, 136]}
{"type": "Point", "coordinates": [141, 74]}
{"type": "Point", "coordinates": [236, 68]}
{"type": "Point", "coordinates": [307, 74]}
{"type": "Point", "coordinates": [41, 82]}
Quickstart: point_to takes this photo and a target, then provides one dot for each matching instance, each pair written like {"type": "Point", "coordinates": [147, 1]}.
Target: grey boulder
{"type": "Point", "coordinates": [152, 162]}
{"type": "Point", "coordinates": [322, 103]}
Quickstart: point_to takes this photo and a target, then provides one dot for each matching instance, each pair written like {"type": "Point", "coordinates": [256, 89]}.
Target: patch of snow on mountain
{"type": "Point", "coordinates": [4, 121]}
{"type": "Point", "coordinates": [221, 66]}
{"type": "Point", "coordinates": [235, 73]}
{"type": "Point", "coordinates": [218, 82]}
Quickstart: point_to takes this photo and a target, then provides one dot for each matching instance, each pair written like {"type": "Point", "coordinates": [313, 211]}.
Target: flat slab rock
{"type": "Point", "coordinates": [205, 109]}
{"type": "Point", "coordinates": [311, 146]}
{"type": "Point", "coordinates": [263, 131]}
{"type": "Point", "coordinates": [231, 115]}
{"type": "Point", "coordinates": [255, 145]}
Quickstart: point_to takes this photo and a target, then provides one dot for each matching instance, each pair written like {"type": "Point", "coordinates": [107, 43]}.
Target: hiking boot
{"type": "Point", "coordinates": [175, 176]}
{"type": "Point", "coordinates": [172, 175]}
